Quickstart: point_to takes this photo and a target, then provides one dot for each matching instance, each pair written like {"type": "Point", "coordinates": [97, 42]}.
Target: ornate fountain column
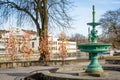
{"type": "Point", "coordinates": [94, 65]}
{"type": "Point", "coordinates": [93, 35]}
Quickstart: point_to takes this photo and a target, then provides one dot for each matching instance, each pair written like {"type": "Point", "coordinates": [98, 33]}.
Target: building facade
{"type": "Point", "coordinates": [54, 43]}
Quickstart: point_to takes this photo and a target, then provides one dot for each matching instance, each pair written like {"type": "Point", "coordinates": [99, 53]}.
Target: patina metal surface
{"type": "Point", "coordinates": [93, 48]}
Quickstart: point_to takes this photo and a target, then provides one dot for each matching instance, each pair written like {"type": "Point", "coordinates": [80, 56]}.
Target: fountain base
{"type": "Point", "coordinates": [94, 65]}
{"type": "Point", "coordinates": [94, 74]}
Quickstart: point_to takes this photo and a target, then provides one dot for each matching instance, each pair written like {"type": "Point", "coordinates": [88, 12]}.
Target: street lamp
{"type": "Point", "coordinates": [19, 38]}
{"type": "Point", "coordinates": [19, 43]}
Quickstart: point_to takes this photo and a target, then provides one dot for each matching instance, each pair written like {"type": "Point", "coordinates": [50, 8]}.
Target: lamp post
{"type": "Point", "coordinates": [19, 43]}
{"type": "Point", "coordinates": [18, 37]}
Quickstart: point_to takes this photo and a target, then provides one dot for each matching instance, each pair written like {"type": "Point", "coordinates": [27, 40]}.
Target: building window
{"type": "Point", "coordinates": [32, 44]}
{"type": "Point", "coordinates": [54, 42]}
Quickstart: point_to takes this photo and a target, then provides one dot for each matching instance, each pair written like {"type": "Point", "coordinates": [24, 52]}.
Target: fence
{"type": "Point", "coordinates": [18, 57]}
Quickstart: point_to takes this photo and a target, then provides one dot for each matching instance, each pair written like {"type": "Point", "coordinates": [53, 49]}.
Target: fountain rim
{"type": "Point", "coordinates": [94, 44]}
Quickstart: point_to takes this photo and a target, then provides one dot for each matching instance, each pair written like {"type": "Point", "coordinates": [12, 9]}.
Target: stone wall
{"type": "Point", "coordinates": [113, 61]}
{"type": "Point", "coordinates": [38, 63]}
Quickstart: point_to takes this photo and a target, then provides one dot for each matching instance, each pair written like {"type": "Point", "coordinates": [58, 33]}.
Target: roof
{"type": "Point", "coordinates": [3, 32]}
{"type": "Point", "coordinates": [27, 31]}
{"type": "Point", "coordinates": [30, 31]}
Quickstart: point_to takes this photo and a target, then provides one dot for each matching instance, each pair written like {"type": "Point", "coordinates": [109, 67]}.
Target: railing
{"type": "Point", "coordinates": [113, 61]}
{"type": "Point", "coordinates": [18, 57]}
{"type": "Point", "coordinates": [21, 60]}
{"type": "Point", "coordinates": [35, 56]}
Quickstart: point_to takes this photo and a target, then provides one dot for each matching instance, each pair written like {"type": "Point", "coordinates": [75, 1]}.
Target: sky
{"type": "Point", "coordinates": [82, 14]}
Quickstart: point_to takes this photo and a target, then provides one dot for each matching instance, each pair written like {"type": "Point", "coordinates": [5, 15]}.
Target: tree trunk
{"type": "Point", "coordinates": [44, 32]}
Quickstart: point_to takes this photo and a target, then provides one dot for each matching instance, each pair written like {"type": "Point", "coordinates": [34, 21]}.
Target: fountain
{"type": "Point", "coordinates": [93, 48]}
{"type": "Point", "coordinates": [94, 70]}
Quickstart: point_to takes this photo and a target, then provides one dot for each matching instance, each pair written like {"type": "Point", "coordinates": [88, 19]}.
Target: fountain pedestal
{"type": "Point", "coordinates": [94, 65]}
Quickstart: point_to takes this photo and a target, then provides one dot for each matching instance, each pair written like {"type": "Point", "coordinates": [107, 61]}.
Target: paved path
{"type": "Point", "coordinates": [17, 73]}
{"type": "Point", "coordinates": [21, 72]}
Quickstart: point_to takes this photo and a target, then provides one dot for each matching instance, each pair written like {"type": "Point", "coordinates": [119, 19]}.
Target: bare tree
{"type": "Point", "coordinates": [110, 22]}
{"type": "Point", "coordinates": [78, 38]}
{"type": "Point", "coordinates": [39, 12]}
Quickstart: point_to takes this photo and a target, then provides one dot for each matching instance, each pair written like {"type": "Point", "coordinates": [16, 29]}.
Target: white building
{"type": "Point", "coordinates": [19, 35]}
{"type": "Point", "coordinates": [54, 42]}
{"type": "Point", "coordinates": [2, 48]}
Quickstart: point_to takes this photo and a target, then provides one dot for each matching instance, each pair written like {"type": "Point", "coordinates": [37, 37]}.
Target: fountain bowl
{"type": "Point", "coordinates": [94, 47]}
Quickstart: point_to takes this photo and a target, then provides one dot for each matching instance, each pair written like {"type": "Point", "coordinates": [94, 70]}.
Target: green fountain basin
{"type": "Point", "coordinates": [94, 47]}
